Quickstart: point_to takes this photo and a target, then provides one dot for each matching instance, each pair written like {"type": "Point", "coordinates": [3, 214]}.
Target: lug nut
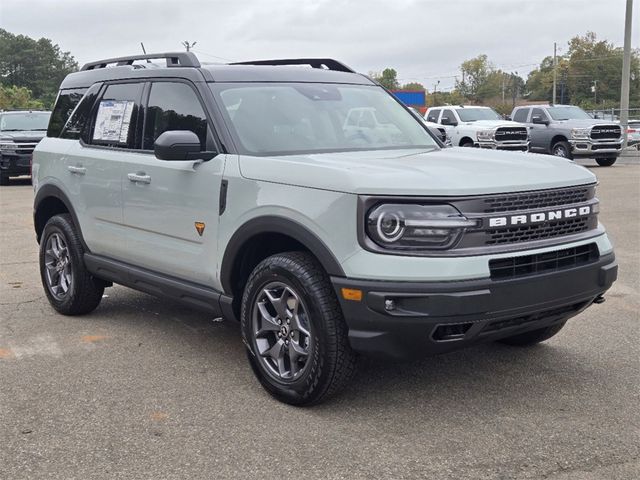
{"type": "Point", "coordinates": [279, 322]}
{"type": "Point", "coordinates": [288, 321]}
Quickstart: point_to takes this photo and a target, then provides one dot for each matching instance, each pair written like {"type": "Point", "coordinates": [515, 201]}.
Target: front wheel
{"type": "Point", "coordinates": [606, 162]}
{"type": "Point", "coordinates": [561, 149]}
{"type": "Point", "coordinates": [294, 330]}
{"type": "Point", "coordinates": [70, 288]}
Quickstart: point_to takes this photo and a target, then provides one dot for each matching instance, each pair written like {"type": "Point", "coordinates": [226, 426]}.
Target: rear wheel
{"type": "Point", "coordinates": [561, 149]}
{"type": "Point", "coordinates": [69, 287]}
{"type": "Point", "coordinates": [535, 336]}
{"type": "Point", "coordinates": [294, 330]}
{"type": "Point", "coordinates": [466, 143]}
{"type": "Point", "coordinates": [606, 162]}
{"type": "Point", "coordinates": [4, 179]}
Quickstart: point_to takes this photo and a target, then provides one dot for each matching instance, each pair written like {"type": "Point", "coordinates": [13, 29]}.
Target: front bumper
{"type": "Point", "coordinates": [13, 165]}
{"type": "Point", "coordinates": [596, 148]}
{"type": "Point", "coordinates": [435, 317]}
{"type": "Point", "coordinates": [514, 145]}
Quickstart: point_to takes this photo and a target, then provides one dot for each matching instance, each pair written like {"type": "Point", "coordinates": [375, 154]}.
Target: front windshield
{"type": "Point", "coordinates": [296, 118]}
{"type": "Point", "coordinates": [567, 113]}
{"type": "Point", "coordinates": [24, 121]}
{"type": "Point", "coordinates": [475, 114]}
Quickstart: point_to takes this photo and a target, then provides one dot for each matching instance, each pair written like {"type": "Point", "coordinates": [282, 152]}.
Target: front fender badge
{"type": "Point", "coordinates": [200, 227]}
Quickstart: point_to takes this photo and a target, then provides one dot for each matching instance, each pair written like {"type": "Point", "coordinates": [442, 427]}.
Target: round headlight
{"type": "Point", "coordinates": [390, 226]}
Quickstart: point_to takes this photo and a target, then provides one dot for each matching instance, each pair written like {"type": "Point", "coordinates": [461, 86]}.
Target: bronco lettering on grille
{"type": "Point", "coordinates": [540, 217]}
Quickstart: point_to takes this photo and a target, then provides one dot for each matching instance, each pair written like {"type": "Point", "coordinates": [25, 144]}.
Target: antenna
{"type": "Point", "coordinates": [188, 45]}
{"type": "Point", "coordinates": [144, 51]}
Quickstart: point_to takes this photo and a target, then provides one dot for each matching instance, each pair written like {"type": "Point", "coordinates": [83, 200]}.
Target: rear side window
{"type": "Point", "coordinates": [521, 115]}
{"type": "Point", "coordinates": [116, 115]}
{"type": "Point", "coordinates": [173, 106]}
{"type": "Point", "coordinates": [66, 102]}
{"type": "Point", "coordinates": [81, 116]}
{"type": "Point", "coordinates": [432, 115]}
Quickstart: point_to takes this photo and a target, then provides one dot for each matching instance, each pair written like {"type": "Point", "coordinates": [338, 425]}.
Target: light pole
{"type": "Point", "coordinates": [626, 74]}
{"type": "Point", "coordinates": [435, 90]}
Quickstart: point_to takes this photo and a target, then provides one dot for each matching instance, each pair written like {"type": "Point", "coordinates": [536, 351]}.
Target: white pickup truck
{"type": "Point", "coordinates": [473, 126]}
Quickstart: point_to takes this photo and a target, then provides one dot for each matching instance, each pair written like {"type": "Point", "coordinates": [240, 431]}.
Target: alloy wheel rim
{"type": "Point", "coordinates": [57, 266]}
{"type": "Point", "coordinates": [282, 331]}
{"type": "Point", "coordinates": [559, 151]}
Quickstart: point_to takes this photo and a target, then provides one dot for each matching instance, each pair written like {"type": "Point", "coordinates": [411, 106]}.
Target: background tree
{"type": "Point", "coordinates": [38, 65]}
{"type": "Point", "coordinates": [415, 86]}
{"type": "Point", "coordinates": [18, 97]}
{"type": "Point", "coordinates": [474, 76]}
{"type": "Point", "coordinates": [388, 78]}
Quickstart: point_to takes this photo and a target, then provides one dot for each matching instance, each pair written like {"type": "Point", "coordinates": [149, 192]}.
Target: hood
{"type": "Point", "coordinates": [450, 171]}
{"type": "Point", "coordinates": [493, 123]}
{"type": "Point", "coordinates": [23, 136]}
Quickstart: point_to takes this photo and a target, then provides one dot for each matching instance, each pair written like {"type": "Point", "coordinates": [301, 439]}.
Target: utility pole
{"type": "Point", "coordinates": [503, 79]}
{"type": "Point", "coordinates": [594, 89]}
{"type": "Point", "coordinates": [626, 74]}
{"type": "Point", "coordinates": [435, 90]}
{"type": "Point", "coordinates": [188, 45]}
{"type": "Point", "coordinates": [555, 74]}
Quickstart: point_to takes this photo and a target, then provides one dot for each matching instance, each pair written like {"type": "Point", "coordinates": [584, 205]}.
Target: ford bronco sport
{"type": "Point", "coordinates": [240, 190]}
{"type": "Point", "coordinates": [568, 131]}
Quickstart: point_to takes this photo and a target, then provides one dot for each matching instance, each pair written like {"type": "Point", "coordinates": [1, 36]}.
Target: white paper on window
{"type": "Point", "coordinates": [113, 121]}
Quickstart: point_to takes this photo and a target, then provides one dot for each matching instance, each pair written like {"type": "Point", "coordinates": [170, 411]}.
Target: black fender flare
{"type": "Point", "coordinates": [280, 225]}
{"type": "Point", "coordinates": [49, 191]}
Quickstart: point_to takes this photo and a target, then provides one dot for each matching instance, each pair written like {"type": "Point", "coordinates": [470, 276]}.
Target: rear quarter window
{"type": "Point", "coordinates": [66, 102]}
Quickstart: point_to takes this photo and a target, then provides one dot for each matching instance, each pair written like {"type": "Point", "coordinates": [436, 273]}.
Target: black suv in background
{"type": "Point", "coordinates": [20, 132]}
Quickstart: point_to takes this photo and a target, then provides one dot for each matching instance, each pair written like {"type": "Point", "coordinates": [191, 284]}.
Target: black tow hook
{"type": "Point", "coordinates": [599, 299]}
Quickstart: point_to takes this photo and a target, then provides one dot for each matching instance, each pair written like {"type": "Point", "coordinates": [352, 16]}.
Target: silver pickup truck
{"type": "Point", "coordinates": [568, 131]}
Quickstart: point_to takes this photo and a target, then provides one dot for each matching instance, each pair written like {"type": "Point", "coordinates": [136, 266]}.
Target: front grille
{"type": "Point", "coordinates": [541, 231]}
{"type": "Point", "coordinates": [539, 199]}
{"type": "Point", "coordinates": [510, 134]}
{"type": "Point", "coordinates": [513, 267]}
{"type": "Point", "coordinates": [604, 132]}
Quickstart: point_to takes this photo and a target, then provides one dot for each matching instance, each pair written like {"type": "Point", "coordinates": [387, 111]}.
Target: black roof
{"type": "Point", "coordinates": [186, 65]}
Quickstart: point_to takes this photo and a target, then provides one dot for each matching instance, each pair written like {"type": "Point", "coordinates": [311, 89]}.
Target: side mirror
{"type": "Point", "coordinates": [537, 119]}
{"type": "Point", "coordinates": [507, 117]}
{"type": "Point", "coordinates": [180, 145]}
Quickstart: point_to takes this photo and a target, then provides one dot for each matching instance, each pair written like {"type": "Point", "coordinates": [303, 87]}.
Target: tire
{"type": "Point", "coordinates": [315, 365]}
{"type": "Point", "coordinates": [70, 288]}
{"type": "Point", "coordinates": [4, 180]}
{"type": "Point", "coordinates": [535, 336]}
{"type": "Point", "coordinates": [467, 144]}
{"type": "Point", "coordinates": [562, 149]}
{"type": "Point", "coordinates": [606, 162]}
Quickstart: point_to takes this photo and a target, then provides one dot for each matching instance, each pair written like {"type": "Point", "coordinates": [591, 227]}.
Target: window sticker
{"type": "Point", "coordinates": [113, 121]}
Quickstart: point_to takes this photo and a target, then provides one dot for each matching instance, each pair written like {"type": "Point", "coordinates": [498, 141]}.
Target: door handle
{"type": "Point", "coordinates": [139, 177]}
{"type": "Point", "coordinates": [77, 169]}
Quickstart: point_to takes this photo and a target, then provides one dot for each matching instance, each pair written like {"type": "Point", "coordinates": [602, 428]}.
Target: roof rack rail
{"type": "Point", "coordinates": [328, 63]}
{"type": "Point", "coordinates": [174, 59]}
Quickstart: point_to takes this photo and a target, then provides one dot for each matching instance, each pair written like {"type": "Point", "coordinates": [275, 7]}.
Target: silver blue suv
{"type": "Point", "coordinates": [262, 192]}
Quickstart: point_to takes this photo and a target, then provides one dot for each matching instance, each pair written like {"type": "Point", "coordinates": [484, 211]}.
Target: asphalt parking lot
{"type": "Point", "coordinates": [145, 388]}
